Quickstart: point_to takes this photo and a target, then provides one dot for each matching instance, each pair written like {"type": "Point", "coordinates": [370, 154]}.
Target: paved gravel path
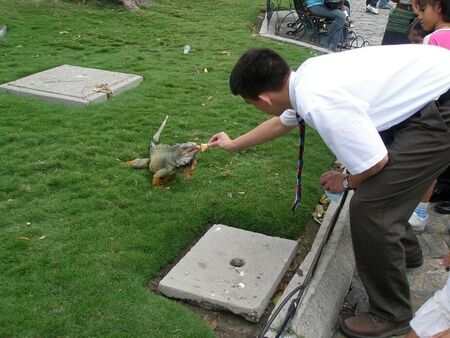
{"type": "Point", "coordinates": [371, 27]}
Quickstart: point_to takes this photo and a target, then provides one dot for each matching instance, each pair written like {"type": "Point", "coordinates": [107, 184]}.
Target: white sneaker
{"type": "Point", "coordinates": [418, 223]}
{"type": "Point", "coordinates": [372, 10]}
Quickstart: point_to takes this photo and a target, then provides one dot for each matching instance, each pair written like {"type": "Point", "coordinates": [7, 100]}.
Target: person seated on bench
{"type": "Point", "coordinates": [338, 30]}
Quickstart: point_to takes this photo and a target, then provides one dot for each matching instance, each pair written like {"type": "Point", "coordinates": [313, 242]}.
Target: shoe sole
{"type": "Point", "coordinates": [397, 332]}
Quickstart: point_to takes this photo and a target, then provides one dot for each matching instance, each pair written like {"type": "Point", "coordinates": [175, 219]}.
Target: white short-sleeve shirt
{"type": "Point", "coordinates": [349, 97]}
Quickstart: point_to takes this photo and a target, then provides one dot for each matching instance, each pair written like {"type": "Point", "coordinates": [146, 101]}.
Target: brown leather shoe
{"type": "Point", "coordinates": [368, 325]}
{"type": "Point", "coordinates": [415, 261]}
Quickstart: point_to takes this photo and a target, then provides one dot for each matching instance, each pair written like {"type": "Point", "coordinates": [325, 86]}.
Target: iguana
{"type": "Point", "coordinates": [165, 161]}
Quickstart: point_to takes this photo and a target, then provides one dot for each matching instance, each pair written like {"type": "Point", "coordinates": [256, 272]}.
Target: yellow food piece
{"type": "Point", "coordinates": [203, 147]}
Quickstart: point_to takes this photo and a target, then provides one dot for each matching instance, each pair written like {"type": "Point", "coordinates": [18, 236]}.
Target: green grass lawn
{"type": "Point", "coordinates": [107, 230]}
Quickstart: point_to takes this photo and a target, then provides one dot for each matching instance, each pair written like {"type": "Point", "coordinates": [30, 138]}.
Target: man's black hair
{"type": "Point", "coordinates": [258, 70]}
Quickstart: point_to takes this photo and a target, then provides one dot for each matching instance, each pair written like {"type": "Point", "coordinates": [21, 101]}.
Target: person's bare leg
{"type": "Point", "coordinates": [426, 197]}
{"type": "Point", "coordinates": [419, 217]}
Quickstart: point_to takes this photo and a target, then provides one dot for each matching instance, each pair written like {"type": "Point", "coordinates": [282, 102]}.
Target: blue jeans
{"type": "Point", "coordinates": [338, 30]}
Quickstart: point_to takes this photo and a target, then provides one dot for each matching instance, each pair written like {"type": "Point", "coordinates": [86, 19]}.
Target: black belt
{"type": "Point", "coordinates": [444, 97]}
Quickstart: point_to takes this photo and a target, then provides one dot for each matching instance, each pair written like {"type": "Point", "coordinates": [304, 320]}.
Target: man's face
{"type": "Point", "coordinates": [270, 108]}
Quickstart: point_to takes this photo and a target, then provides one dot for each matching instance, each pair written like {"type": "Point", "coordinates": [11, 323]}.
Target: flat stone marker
{"type": "Point", "coordinates": [72, 85]}
{"type": "Point", "coordinates": [231, 269]}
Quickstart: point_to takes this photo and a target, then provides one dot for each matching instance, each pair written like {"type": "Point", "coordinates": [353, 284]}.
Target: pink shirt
{"type": "Point", "coordinates": [440, 37]}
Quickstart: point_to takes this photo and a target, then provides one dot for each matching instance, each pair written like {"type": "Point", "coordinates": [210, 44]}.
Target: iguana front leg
{"type": "Point", "coordinates": [189, 170]}
{"type": "Point", "coordinates": [160, 181]}
{"type": "Point", "coordinates": [160, 176]}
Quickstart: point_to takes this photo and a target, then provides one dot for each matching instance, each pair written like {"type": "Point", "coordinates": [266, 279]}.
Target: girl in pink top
{"type": "Point", "coordinates": [434, 16]}
{"type": "Point", "coordinates": [440, 37]}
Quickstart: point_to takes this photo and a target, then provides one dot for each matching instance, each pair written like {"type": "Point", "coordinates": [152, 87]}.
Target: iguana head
{"type": "Point", "coordinates": [186, 152]}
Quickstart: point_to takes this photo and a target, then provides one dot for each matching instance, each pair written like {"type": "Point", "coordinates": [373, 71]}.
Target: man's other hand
{"type": "Point", "coordinates": [332, 181]}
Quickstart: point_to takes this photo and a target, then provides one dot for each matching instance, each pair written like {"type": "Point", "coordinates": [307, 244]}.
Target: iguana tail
{"type": "Point", "coordinates": [157, 134]}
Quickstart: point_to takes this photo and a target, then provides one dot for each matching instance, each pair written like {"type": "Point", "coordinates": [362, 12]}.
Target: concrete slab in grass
{"type": "Point", "coordinates": [231, 269]}
{"type": "Point", "coordinates": [73, 85]}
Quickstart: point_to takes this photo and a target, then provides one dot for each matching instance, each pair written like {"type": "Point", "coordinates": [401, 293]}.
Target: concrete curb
{"type": "Point", "coordinates": [319, 307]}
{"type": "Point", "coordinates": [268, 31]}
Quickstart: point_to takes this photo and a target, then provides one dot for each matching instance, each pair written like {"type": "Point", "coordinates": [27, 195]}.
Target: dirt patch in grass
{"type": "Point", "coordinates": [226, 324]}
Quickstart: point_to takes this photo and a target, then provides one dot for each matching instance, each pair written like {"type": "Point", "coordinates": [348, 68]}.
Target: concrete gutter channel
{"type": "Point", "coordinates": [318, 309]}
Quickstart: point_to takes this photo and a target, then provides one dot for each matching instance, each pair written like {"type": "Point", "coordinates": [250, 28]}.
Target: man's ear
{"type": "Point", "coordinates": [266, 98]}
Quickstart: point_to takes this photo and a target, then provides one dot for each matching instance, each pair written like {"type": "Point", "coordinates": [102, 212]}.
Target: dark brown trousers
{"type": "Point", "coordinates": [418, 150]}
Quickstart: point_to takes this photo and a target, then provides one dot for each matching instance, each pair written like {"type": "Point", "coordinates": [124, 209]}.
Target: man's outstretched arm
{"type": "Point", "coordinates": [264, 132]}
